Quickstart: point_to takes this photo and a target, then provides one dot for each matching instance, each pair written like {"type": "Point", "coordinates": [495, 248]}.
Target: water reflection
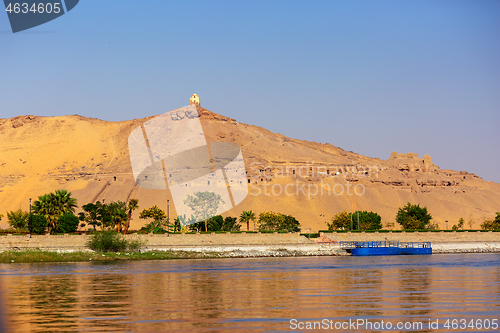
{"type": "Point", "coordinates": [247, 294]}
{"type": "Point", "coordinates": [54, 299]}
{"type": "Point", "coordinates": [107, 298]}
{"type": "Point", "coordinates": [414, 290]}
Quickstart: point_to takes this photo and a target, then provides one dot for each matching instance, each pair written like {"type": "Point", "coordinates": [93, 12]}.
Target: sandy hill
{"type": "Point", "coordinates": [90, 158]}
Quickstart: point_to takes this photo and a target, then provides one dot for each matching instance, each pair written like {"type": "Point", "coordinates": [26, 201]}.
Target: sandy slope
{"type": "Point", "coordinates": [84, 155]}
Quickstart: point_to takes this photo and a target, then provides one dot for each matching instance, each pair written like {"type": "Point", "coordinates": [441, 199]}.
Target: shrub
{"type": "Point", "coordinates": [389, 225]}
{"type": "Point", "coordinates": [311, 235]}
{"type": "Point", "coordinates": [135, 245]}
{"type": "Point", "coordinates": [110, 241]}
{"type": "Point", "coordinates": [67, 223]}
{"type": "Point", "coordinates": [217, 223]}
{"type": "Point", "coordinates": [156, 230]}
{"type": "Point", "coordinates": [38, 224]}
{"type": "Point", "coordinates": [176, 226]}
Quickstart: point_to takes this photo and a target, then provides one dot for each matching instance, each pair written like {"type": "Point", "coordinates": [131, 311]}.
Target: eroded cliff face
{"type": "Point", "coordinates": [422, 175]}
{"type": "Point", "coordinates": [309, 180]}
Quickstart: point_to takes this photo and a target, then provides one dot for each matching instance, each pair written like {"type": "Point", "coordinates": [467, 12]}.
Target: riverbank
{"type": "Point", "coordinates": [217, 251]}
{"type": "Point", "coordinates": [185, 252]}
{"type": "Point", "coordinates": [65, 248]}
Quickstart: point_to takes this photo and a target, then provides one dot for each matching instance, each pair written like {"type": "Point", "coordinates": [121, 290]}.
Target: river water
{"type": "Point", "coordinates": [263, 294]}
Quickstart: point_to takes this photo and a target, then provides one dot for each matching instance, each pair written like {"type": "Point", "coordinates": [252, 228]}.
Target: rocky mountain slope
{"type": "Point", "coordinates": [309, 180]}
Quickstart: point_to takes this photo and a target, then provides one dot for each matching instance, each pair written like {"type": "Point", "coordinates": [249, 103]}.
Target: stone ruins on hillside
{"type": "Point", "coordinates": [411, 162]}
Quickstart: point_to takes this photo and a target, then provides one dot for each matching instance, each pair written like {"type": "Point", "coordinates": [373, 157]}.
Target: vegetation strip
{"type": "Point", "coordinates": [49, 256]}
{"type": "Point", "coordinates": [55, 213]}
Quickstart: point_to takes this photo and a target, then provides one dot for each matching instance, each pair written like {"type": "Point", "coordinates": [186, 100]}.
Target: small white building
{"type": "Point", "coordinates": [194, 100]}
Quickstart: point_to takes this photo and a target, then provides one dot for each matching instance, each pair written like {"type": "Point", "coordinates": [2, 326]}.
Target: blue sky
{"type": "Point", "coordinates": [368, 76]}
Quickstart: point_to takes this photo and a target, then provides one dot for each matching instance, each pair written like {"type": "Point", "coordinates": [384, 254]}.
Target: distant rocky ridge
{"type": "Point", "coordinates": [90, 157]}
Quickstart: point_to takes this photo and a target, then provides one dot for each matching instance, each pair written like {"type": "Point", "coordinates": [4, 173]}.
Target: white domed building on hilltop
{"type": "Point", "coordinates": [194, 100]}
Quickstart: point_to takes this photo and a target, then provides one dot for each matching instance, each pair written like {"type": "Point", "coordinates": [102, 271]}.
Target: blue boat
{"type": "Point", "coordinates": [386, 248]}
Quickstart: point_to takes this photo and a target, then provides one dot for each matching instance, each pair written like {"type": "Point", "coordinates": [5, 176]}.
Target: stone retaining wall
{"type": "Point", "coordinates": [262, 245]}
{"type": "Point", "coordinates": [77, 242]}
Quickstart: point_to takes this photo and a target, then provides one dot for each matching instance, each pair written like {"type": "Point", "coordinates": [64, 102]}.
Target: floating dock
{"type": "Point", "coordinates": [386, 248]}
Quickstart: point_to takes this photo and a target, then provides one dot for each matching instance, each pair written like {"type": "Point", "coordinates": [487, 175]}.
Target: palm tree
{"type": "Point", "coordinates": [118, 212]}
{"type": "Point", "coordinates": [103, 214]}
{"type": "Point", "coordinates": [131, 206]}
{"type": "Point", "coordinates": [246, 217]}
{"type": "Point", "coordinates": [53, 205]}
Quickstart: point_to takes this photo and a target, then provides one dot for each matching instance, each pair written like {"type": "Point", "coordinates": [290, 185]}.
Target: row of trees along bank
{"type": "Point", "coordinates": [55, 213]}
{"type": "Point", "coordinates": [409, 217]}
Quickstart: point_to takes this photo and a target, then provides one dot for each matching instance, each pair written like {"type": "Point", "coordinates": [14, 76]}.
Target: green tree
{"type": "Point", "coordinates": [290, 224]}
{"type": "Point", "coordinates": [18, 219]}
{"type": "Point", "coordinates": [341, 221]}
{"type": "Point", "coordinates": [38, 224]}
{"type": "Point", "coordinates": [246, 217]}
{"type": "Point", "coordinates": [271, 221]}
{"type": "Point", "coordinates": [67, 223]}
{"type": "Point", "coordinates": [156, 217]}
{"type": "Point", "coordinates": [204, 205]}
{"type": "Point", "coordinates": [104, 215]}
{"type": "Point", "coordinates": [53, 205]}
{"type": "Point", "coordinates": [132, 205]}
{"type": "Point", "coordinates": [117, 213]}
{"type": "Point", "coordinates": [90, 215]}
{"type": "Point", "coordinates": [413, 217]}
{"type": "Point", "coordinates": [367, 220]}
{"type": "Point", "coordinates": [215, 223]}
{"type": "Point", "coordinates": [412, 223]}
{"type": "Point", "coordinates": [231, 224]}
{"type": "Point", "coordinates": [491, 224]}
{"type": "Point", "coordinates": [460, 224]}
